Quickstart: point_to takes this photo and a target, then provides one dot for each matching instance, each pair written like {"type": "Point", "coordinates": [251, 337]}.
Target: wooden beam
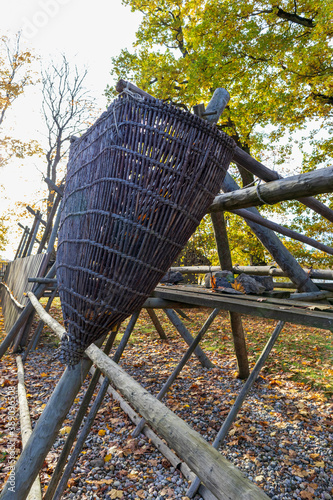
{"type": "Point", "coordinates": [246, 161]}
{"type": "Point", "coordinates": [311, 183]}
{"type": "Point", "coordinates": [246, 214]}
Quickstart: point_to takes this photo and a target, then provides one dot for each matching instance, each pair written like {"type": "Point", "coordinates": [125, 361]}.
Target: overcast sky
{"type": "Point", "coordinates": [89, 34]}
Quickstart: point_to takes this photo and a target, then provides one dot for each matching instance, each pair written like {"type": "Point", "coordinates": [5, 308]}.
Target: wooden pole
{"type": "Point", "coordinates": [25, 424]}
{"type": "Point", "coordinates": [181, 328]}
{"type": "Point", "coordinates": [180, 366]}
{"type": "Point", "coordinates": [246, 161]}
{"type": "Point", "coordinates": [46, 430]}
{"type": "Point", "coordinates": [223, 251]}
{"type": "Point", "coordinates": [157, 324]}
{"type": "Point", "coordinates": [246, 214]}
{"type": "Point", "coordinates": [157, 442]}
{"type": "Point", "coordinates": [240, 399]}
{"type": "Point", "coordinates": [126, 336]}
{"type": "Point", "coordinates": [48, 227]}
{"type": "Point", "coordinates": [311, 183]}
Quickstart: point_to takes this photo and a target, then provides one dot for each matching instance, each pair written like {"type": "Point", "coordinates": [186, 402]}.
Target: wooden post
{"type": "Point", "coordinates": [21, 244]}
{"type": "Point", "coordinates": [49, 223]}
{"type": "Point", "coordinates": [240, 398]}
{"type": "Point", "coordinates": [180, 366]}
{"type": "Point", "coordinates": [223, 251]}
{"type": "Point", "coordinates": [181, 328]}
{"type": "Point", "coordinates": [157, 324]}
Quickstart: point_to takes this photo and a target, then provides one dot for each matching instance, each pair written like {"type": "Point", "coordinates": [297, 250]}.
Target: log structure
{"type": "Point", "coordinates": [199, 461]}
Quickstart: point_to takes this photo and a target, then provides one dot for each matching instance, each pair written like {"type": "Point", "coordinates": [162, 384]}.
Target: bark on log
{"type": "Point", "coordinates": [157, 442]}
{"type": "Point", "coordinates": [220, 477]}
{"type": "Point", "coordinates": [290, 188]}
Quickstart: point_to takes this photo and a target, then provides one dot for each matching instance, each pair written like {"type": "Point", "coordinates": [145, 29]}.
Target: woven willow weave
{"type": "Point", "coordinates": [138, 183]}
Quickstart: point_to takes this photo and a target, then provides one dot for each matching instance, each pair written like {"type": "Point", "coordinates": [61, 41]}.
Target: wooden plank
{"type": "Point", "coordinates": [297, 186]}
{"type": "Point", "coordinates": [299, 315]}
{"type": "Point", "coordinates": [16, 279]}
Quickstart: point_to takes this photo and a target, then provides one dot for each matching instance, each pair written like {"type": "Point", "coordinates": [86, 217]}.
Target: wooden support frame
{"type": "Point", "coordinates": [307, 184]}
{"type": "Point", "coordinates": [219, 475]}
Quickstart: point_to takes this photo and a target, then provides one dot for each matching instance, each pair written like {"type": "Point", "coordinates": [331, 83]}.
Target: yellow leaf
{"type": "Point", "coordinates": [101, 432]}
{"type": "Point", "coordinates": [65, 430]}
{"type": "Point", "coordinates": [115, 494]}
{"type": "Point", "coordinates": [43, 374]}
{"type": "Point", "coordinates": [107, 458]}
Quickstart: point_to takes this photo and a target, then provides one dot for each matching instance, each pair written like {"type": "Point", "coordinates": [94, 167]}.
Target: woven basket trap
{"type": "Point", "coordinates": [138, 183]}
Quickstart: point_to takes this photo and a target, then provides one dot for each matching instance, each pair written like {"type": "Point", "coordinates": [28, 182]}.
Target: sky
{"type": "Point", "coordinates": [89, 34]}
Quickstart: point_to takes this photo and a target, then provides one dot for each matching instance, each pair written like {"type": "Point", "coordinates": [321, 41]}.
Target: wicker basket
{"type": "Point", "coordinates": [138, 183]}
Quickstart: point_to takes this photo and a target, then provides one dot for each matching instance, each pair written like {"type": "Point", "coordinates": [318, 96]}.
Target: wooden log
{"type": "Point", "coordinates": [157, 324]}
{"type": "Point", "coordinates": [246, 214]}
{"type": "Point", "coordinates": [246, 161]}
{"type": "Point", "coordinates": [276, 248]}
{"type": "Point", "coordinates": [124, 85]}
{"type": "Point", "coordinates": [181, 328]}
{"type": "Point", "coordinates": [216, 105]}
{"type": "Point", "coordinates": [290, 188]}
{"type": "Point", "coordinates": [35, 492]}
{"type": "Point", "coordinates": [313, 296]}
{"type": "Point", "coordinates": [219, 476]}
{"type": "Point", "coordinates": [224, 254]}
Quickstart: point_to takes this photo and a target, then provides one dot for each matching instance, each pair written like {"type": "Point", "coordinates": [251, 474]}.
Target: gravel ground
{"type": "Point", "coordinates": [282, 439]}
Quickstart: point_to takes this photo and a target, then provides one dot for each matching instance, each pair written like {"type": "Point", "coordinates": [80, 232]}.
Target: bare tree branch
{"type": "Point", "coordinates": [66, 106]}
